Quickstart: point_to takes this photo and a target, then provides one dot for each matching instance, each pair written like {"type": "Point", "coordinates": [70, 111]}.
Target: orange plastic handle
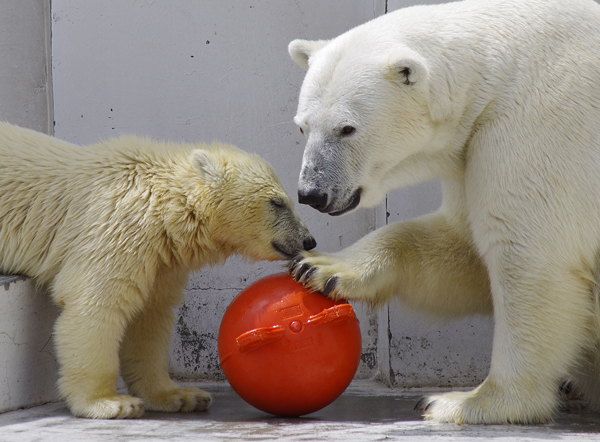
{"type": "Point", "coordinates": [336, 314]}
{"type": "Point", "coordinates": [259, 336]}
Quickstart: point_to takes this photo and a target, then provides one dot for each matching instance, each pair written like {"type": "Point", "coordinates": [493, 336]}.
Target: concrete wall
{"type": "Point", "coordinates": [27, 363]}
{"type": "Point", "coordinates": [219, 70]}
{"type": "Point", "coordinates": [28, 366]}
{"type": "Point", "coordinates": [25, 82]}
{"type": "Point", "coordinates": [195, 71]}
{"type": "Point", "coordinates": [198, 71]}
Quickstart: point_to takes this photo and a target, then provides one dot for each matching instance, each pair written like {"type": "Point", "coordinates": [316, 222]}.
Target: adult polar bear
{"type": "Point", "coordinates": [501, 100]}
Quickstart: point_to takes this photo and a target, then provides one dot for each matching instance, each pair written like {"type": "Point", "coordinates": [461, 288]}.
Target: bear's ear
{"type": "Point", "coordinates": [410, 68]}
{"type": "Point", "coordinates": [302, 50]}
{"type": "Point", "coordinates": [206, 165]}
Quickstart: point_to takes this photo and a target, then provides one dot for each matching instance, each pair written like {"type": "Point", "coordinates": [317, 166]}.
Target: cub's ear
{"type": "Point", "coordinates": [302, 50]}
{"type": "Point", "coordinates": [206, 165]}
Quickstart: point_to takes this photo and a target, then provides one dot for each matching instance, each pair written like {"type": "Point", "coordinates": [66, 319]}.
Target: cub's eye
{"type": "Point", "coordinates": [348, 130]}
{"type": "Point", "coordinates": [277, 202]}
{"type": "Point", "coordinates": [301, 131]}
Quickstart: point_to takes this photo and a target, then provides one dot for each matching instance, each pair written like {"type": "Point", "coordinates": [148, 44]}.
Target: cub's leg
{"type": "Point", "coordinates": [427, 263]}
{"type": "Point", "coordinates": [544, 318]}
{"type": "Point", "coordinates": [88, 332]}
{"type": "Point", "coordinates": [145, 352]}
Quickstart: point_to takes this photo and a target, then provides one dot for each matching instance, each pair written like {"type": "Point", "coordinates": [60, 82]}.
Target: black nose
{"type": "Point", "coordinates": [309, 243]}
{"type": "Point", "coordinates": [313, 197]}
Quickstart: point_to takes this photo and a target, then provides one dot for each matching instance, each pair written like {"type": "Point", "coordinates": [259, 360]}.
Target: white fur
{"type": "Point", "coordinates": [113, 230]}
{"type": "Point", "coordinates": [504, 106]}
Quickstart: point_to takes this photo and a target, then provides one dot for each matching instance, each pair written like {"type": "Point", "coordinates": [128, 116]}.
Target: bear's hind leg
{"type": "Point", "coordinates": [543, 324]}
{"type": "Point", "coordinates": [145, 353]}
{"type": "Point", "coordinates": [584, 382]}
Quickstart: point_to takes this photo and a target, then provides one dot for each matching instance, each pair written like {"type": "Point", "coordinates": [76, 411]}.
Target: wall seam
{"type": "Point", "coordinates": [48, 55]}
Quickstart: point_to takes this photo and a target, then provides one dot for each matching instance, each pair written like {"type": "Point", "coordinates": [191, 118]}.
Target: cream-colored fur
{"type": "Point", "coordinates": [113, 230]}
{"type": "Point", "coordinates": [501, 100]}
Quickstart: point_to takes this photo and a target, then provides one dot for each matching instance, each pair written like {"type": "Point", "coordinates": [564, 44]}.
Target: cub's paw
{"type": "Point", "coordinates": [182, 399]}
{"type": "Point", "coordinates": [113, 407]}
{"type": "Point", "coordinates": [330, 275]}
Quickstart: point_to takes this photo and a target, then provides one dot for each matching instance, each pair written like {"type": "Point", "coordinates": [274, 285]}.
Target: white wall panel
{"type": "Point", "coordinates": [198, 71]}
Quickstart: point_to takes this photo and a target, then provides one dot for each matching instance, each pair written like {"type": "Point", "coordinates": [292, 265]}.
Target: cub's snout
{"type": "Point", "coordinates": [293, 236]}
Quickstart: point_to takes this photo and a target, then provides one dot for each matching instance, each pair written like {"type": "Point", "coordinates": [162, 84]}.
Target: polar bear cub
{"type": "Point", "coordinates": [501, 100]}
{"type": "Point", "coordinates": [113, 230]}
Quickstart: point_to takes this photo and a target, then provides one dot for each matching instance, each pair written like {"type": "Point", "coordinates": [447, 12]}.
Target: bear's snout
{"type": "Point", "coordinates": [315, 198]}
{"type": "Point", "coordinates": [333, 205]}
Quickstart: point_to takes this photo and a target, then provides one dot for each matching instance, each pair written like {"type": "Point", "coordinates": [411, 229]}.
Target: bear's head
{"type": "Point", "coordinates": [246, 206]}
{"type": "Point", "coordinates": [372, 119]}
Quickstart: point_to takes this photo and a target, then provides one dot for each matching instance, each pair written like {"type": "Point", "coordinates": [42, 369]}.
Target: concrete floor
{"type": "Point", "coordinates": [365, 412]}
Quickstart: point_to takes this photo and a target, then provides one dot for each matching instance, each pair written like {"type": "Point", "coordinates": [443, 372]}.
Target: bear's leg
{"type": "Point", "coordinates": [145, 352]}
{"type": "Point", "coordinates": [544, 321]}
{"type": "Point", "coordinates": [585, 378]}
{"type": "Point", "coordinates": [426, 262]}
{"type": "Point", "coordinates": [87, 342]}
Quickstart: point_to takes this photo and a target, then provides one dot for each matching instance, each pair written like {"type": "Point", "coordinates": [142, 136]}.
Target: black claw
{"type": "Point", "coordinates": [566, 388]}
{"type": "Point", "coordinates": [294, 262]}
{"type": "Point", "coordinates": [419, 405]}
{"type": "Point", "coordinates": [422, 407]}
{"type": "Point", "coordinates": [301, 271]}
{"type": "Point", "coordinates": [309, 273]}
{"type": "Point", "coordinates": [330, 285]}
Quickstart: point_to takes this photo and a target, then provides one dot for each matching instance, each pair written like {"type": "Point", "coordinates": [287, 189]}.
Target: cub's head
{"type": "Point", "coordinates": [366, 113]}
{"type": "Point", "coordinates": [247, 207]}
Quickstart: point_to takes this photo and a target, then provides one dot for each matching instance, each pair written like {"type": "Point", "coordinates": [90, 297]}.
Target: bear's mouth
{"type": "Point", "coordinates": [352, 204]}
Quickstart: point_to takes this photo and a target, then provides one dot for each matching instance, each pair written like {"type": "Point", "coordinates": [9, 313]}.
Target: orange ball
{"type": "Point", "coordinates": [287, 350]}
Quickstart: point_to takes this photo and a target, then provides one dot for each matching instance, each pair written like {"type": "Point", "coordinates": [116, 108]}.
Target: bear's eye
{"type": "Point", "coordinates": [348, 130]}
{"type": "Point", "coordinates": [301, 131]}
{"type": "Point", "coordinates": [277, 202]}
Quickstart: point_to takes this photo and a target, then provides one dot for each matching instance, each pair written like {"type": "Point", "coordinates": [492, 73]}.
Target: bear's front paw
{"type": "Point", "coordinates": [113, 407]}
{"type": "Point", "coordinates": [184, 399]}
{"type": "Point", "coordinates": [330, 275]}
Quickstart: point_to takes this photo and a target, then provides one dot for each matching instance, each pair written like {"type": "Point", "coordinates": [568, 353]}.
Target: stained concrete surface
{"type": "Point", "coordinates": [367, 411]}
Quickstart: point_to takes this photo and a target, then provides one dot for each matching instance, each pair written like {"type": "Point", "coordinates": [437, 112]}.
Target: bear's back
{"type": "Point", "coordinates": [54, 194]}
